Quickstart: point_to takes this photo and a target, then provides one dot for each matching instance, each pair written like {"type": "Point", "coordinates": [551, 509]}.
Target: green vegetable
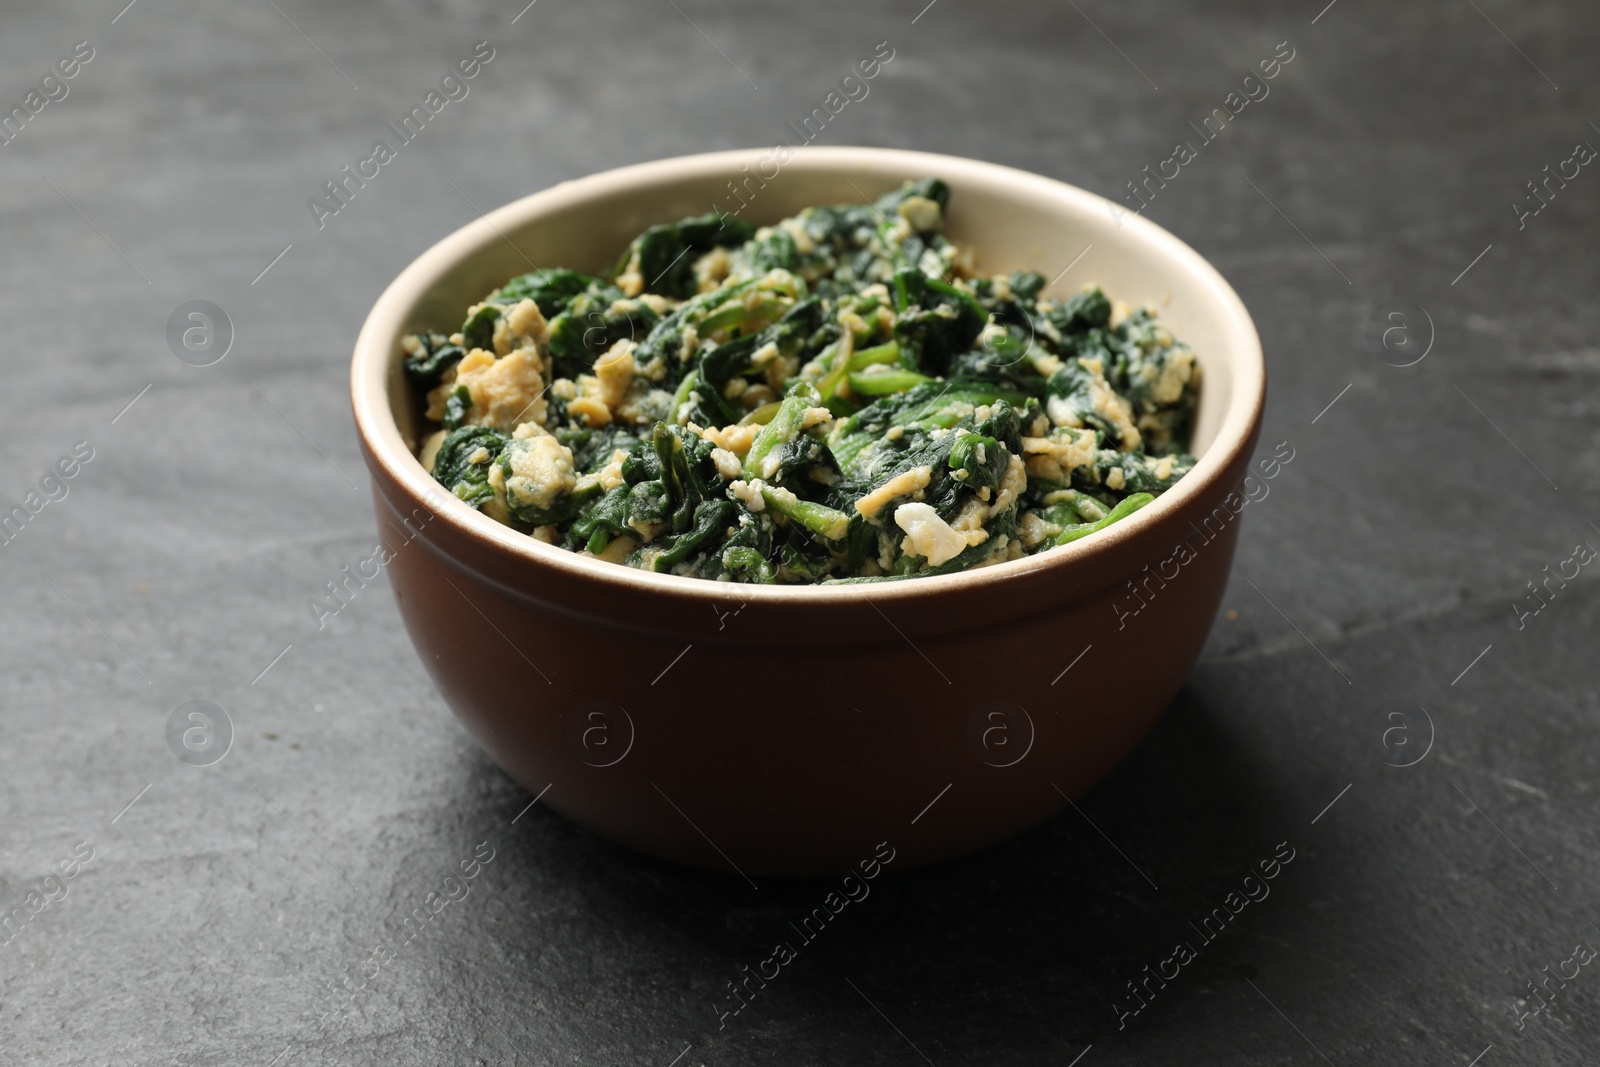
{"type": "Point", "coordinates": [868, 357]}
{"type": "Point", "coordinates": [457, 406]}
{"type": "Point", "coordinates": [937, 321]}
{"type": "Point", "coordinates": [435, 355]}
{"type": "Point", "coordinates": [780, 429]}
{"type": "Point", "coordinates": [1127, 507]}
{"type": "Point", "coordinates": [478, 330]}
{"type": "Point", "coordinates": [553, 290]}
{"type": "Point", "coordinates": [833, 398]}
{"type": "Point", "coordinates": [462, 463]}
{"type": "Point", "coordinates": [591, 324]}
{"type": "Point", "coordinates": [888, 381]}
{"type": "Point", "coordinates": [663, 256]}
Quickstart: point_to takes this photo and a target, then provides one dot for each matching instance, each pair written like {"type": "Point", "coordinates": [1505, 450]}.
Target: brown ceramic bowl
{"type": "Point", "coordinates": [788, 730]}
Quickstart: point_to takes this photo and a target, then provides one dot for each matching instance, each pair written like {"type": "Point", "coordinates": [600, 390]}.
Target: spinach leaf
{"type": "Point", "coordinates": [662, 257]}
{"type": "Point", "coordinates": [436, 355]}
{"type": "Point", "coordinates": [462, 463]}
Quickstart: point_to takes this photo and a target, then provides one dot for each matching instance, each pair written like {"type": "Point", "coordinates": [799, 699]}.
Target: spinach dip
{"type": "Point", "coordinates": [837, 397]}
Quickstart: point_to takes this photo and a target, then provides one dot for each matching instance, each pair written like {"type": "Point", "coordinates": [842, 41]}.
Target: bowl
{"type": "Point", "coordinates": [801, 730]}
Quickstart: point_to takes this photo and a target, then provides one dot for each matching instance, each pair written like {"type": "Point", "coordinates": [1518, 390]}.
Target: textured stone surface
{"type": "Point", "coordinates": [219, 911]}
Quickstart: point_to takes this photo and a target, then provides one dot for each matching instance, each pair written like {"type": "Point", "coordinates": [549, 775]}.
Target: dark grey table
{"type": "Point", "coordinates": [1381, 599]}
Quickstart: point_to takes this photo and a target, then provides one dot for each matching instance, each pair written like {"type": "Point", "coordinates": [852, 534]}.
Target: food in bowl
{"type": "Point", "coordinates": [837, 397]}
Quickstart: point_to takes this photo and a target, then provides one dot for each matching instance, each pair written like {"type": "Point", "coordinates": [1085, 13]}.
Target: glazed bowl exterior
{"type": "Point", "coordinates": [766, 730]}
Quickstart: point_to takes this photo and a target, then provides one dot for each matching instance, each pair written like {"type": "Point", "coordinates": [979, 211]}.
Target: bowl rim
{"type": "Point", "coordinates": [377, 343]}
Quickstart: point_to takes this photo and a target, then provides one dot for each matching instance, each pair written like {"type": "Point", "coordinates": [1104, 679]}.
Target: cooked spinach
{"type": "Point", "coordinates": [835, 397]}
{"type": "Point", "coordinates": [429, 357]}
{"type": "Point", "coordinates": [659, 256]}
{"type": "Point", "coordinates": [552, 290]}
{"type": "Point", "coordinates": [462, 463]}
{"type": "Point", "coordinates": [478, 330]}
{"type": "Point", "coordinates": [590, 323]}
